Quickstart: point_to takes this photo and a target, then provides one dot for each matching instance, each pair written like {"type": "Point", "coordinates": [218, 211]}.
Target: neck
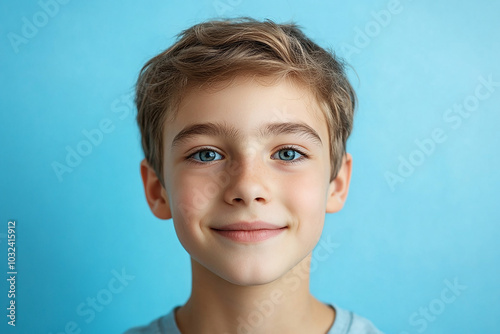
{"type": "Point", "coordinates": [282, 306]}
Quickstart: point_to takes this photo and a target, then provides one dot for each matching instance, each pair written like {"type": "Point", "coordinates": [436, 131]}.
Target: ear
{"type": "Point", "coordinates": [339, 187]}
{"type": "Point", "coordinates": [156, 194]}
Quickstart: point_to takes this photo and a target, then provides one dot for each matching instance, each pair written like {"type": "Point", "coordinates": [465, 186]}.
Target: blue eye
{"type": "Point", "coordinates": [288, 154]}
{"type": "Point", "coordinates": [206, 156]}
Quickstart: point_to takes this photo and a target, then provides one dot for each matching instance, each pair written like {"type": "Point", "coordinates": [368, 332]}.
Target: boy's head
{"type": "Point", "coordinates": [244, 126]}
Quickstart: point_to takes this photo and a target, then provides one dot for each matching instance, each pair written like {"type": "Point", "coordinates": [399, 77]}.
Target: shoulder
{"type": "Point", "coordinates": [347, 322]}
{"type": "Point", "coordinates": [165, 324]}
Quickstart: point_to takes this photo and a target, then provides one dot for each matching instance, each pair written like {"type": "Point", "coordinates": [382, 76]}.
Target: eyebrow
{"type": "Point", "coordinates": [302, 129]}
{"type": "Point", "coordinates": [269, 130]}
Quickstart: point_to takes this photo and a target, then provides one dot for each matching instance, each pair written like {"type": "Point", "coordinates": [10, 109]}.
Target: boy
{"type": "Point", "coordinates": [244, 126]}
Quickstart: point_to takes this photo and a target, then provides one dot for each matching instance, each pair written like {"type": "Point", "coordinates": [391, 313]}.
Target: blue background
{"type": "Point", "coordinates": [396, 245]}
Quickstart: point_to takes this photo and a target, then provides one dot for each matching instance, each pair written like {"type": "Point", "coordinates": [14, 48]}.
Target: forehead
{"type": "Point", "coordinates": [247, 104]}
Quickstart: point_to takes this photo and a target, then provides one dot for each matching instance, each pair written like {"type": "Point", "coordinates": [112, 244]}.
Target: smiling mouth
{"type": "Point", "coordinates": [249, 232]}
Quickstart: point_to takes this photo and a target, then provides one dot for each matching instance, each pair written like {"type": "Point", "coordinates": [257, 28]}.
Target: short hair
{"type": "Point", "coordinates": [216, 51]}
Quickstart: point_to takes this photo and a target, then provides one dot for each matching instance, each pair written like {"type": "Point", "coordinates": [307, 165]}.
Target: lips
{"type": "Point", "coordinates": [249, 231]}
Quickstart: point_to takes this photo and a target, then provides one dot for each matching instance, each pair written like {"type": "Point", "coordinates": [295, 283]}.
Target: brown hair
{"type": "Point", "coordinates": [217, 51]}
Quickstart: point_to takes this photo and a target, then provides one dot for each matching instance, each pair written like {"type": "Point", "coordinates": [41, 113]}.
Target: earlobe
{"type": "Point", "coordinates": [339, 187]}
{"type": "Point", "coordinates": [156, 195]}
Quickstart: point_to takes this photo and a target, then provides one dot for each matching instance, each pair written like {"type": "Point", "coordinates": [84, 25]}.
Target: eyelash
{"type": "Point", "coordinates": [302, 157]}
{"type": "Point", "coordinates": [190, 158]}
{"type": "Point", "coordinates": [292, 148]}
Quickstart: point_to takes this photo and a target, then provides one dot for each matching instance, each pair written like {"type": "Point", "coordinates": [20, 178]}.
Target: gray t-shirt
{"type": "Point", "coordinates": [345, 322]}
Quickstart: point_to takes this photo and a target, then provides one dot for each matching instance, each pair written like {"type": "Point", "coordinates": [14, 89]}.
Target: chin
{"type": "Point", "coordinates": [245, 274]}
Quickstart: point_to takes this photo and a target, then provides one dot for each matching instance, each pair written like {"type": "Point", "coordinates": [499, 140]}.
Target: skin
{"type": "Point", "coordinates": [244, 176]}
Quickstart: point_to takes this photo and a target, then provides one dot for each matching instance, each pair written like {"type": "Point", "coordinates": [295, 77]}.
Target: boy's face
{"type": "Point", "coordinates": [246, 173]}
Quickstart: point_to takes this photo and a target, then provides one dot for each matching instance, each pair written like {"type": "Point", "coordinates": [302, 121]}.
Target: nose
{"type": "Point", "coordinates": [248, 185]}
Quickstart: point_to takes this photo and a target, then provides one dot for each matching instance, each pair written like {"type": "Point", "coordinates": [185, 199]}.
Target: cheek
{"type": "Point", "coordinates": [306, 196]}
{"type": "Point", "coordinates": [189, 202]}
{"type": "Point", "coordinates": [187, 198]}
{"type": "Point", "coordinates": [192, 198]}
